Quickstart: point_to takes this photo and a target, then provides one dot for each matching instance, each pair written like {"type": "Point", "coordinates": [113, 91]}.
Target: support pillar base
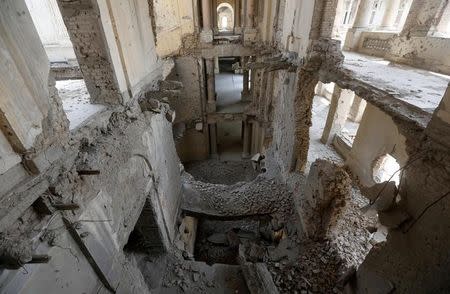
{"type": "Point", "coordinates": [206, 36]}
{"type": "Point", "coordinates": [250, 35]}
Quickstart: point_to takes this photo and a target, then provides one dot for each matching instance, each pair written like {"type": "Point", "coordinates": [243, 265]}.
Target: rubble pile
{"type": "Point", "coordinates": [260, 196]}
{"type": "Point", "coordinates": [321, 266]}
{"type": "Point", "coordinates": [221, 172]}
{"type": "Point", "coordinates": [264, 228]}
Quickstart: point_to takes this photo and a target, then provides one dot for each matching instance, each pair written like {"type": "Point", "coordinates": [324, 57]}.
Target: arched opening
{"type": "Point", "coordinates": [225, 17]}
{"type": "Point", "coordinates": [386, 168]}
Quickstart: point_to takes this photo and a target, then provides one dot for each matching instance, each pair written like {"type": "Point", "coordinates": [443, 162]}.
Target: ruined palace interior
{"type": "Point", "coordinates": [224, 146]}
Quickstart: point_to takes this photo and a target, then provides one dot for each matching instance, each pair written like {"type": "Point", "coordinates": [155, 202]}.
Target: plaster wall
{"type": "Point", "coordinates": [134, 31]}
{"type": "Point", "coordinates": [421, 52]}
{"type": "Point", "coordinates": [130, 38]}
{"type": "Point", "coordinates": [377, 135]}
{"type": "Point", "coordinates": [173, 19]}
{"type": "Point", "coordinates": [24, 72]}
{"type": "Point", "coordinates": [52, 31]}
{"type": "Point", "coordinates": [282, 146]}
{"type": "Point", "coordinates": [421, 239]}
{"type": "Point", "coordinates": [36, 119]}
{"type": "Point", "coordinates": [267, 21]}
{"type": "Point", "coordinates": [296, 26]}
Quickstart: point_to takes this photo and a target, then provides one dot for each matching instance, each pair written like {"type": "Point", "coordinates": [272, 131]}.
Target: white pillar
{"type": "Point", "coordinates": [250, 31]}
{"type": "Point", "coordinates": [250, 14]}
{"type": "Point", "coordinates": [361, 23]}
{"type": "Point", "coordinates": [216, 65]}
{"type": "Point", "coordinates": [337, 115]}
{"type": "Point", "coordinates": [421, 17]}
{"type": "Point", "coordinates": [357, 109]}
{"type": "Point", "coordinates": [206, 35]}
{"type": "Point", "coordinates": [390, 14]}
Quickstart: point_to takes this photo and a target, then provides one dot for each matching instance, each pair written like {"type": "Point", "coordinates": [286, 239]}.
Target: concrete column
{"type": "Point", "coordinates": [206, 13]}
{"type": "Point", "coordinates": [254, 138]}
{"type": "Point", "coordinates": [216, 65]}
{"type": "Point", "coordinates": [362, 18]}
{"type": "Point", "coordinates": [246, 139]}
{"type": "Point", "coordinates": [237, 17]}
{"type": "Point", "coordinates": [341, 102]}
{"type": "Point", "coordinates": [245, 89]}
{"type": "Point", "coordinates": [250, 31]}
{"type": "Point", "coordinates": [357, 109]}
{"type": "Point", "coordinates": [262, 136]}
{"type": "Point", "coordinates": [390, 14]}
{"type": "Point", "coordinates": [211, 85]}
{"type": "Point", "coordinates": [319, 89]}
{"type": "Point", "coordinates": [250, 15]}
{"type": "Point", "coordinates": [206, 35]}
{"type": "Point", "coordinates": [421, 17]}
{"type": "Point", "coordinates": [213, 140]}
{"type": "Point", "coordinates": [360, 24]}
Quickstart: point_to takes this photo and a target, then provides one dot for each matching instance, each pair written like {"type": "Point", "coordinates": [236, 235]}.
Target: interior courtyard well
{"type": "Point", "coordinates": [224, 146]}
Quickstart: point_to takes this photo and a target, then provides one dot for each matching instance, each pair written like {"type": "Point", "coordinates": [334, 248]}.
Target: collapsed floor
{"type": "Point", "coordinates": [242, 223]}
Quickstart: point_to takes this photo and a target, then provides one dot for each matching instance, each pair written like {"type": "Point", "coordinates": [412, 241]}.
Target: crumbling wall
{"type": "Point", "coordinates": [283, 125]}
{"type": "Point", "coordinates": [35, 121]}
{"type": "Point", "coordinates": [326, 191]}
{"type": "Point", "coordinates": [174, 19]}
{"type": "Point", "coordinates": [377, 135]}
{"type": "Point", "coordinates": [133, 38]}
{"type": "Point", "coordinates": [297, 23]}
{"type": "Point", "coordinates": [418, 234]}
{"type": "Point", "coordinates": [83, 22]}
{"type": "Point", "coordinates": [110, 172]}
{"type": "Point", "coordinates": [189, 107]}
{"type": "Point", "coordinates": [421, 52]}
{"type": "Point", "coordinates": [76, 197]}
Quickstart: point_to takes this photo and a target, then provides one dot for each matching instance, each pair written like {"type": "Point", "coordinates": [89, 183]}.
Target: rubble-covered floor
{"type": "Point", "coordinates": [221, 172]}
{"type": "Point", "coordinates": [243, 215]}
{"type": "Point", "coordinates": [418, 87]}
{"type": "Point", "coordinates": [76, 102]}
{"type": "Point", "coordinates": [261, 225]}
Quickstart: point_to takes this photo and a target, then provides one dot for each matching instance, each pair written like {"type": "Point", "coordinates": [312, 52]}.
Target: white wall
{"type": "Point", "coordinates": [297, 25]}
{"type": "Point", "coordinates": [52, 31]}
{"type": "Point", "coordinates": [377, 135]}
{"type": "Point", "coordinates": [128, 30]}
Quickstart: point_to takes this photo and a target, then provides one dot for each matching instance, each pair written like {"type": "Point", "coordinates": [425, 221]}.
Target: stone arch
{"type": "Point", "coordinates": [225, 17]}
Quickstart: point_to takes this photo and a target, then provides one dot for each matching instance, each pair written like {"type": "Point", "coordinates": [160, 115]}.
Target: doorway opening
{"type": "Point", "coordinates": [229, 140]}
{"type": "Point", "coordinates": [225, 18]}
{"type": "Point", "coordinates": [229, 85]}
{"type": "Point", "coordinates": [64, 67]}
